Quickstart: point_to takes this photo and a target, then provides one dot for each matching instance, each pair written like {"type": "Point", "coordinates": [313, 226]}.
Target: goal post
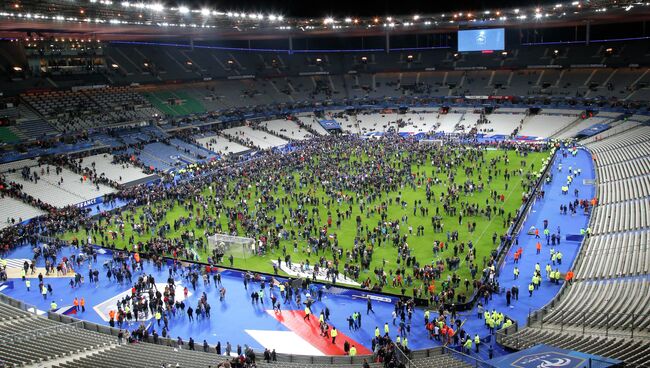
{"type": "Point", "coordinates": [431, 142]}
{"type": "Point", "coordinates": [222, 246]}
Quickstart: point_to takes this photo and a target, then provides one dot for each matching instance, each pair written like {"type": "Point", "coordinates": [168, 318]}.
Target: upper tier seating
{"type": "Point", "coordinates": [90, 108]}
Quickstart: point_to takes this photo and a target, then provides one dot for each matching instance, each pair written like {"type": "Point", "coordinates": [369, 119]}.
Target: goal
{"type": "Point", "coordinates": [431, 142]}
{"type": "Point", "coordinates": [223, 246]}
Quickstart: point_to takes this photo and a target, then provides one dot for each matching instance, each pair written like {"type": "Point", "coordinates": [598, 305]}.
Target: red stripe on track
{"type": "Point", "coordinates": [309, 330]}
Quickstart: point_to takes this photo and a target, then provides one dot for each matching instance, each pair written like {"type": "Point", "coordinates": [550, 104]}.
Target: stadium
{"type": "Point", "coordinates": [283, 184]}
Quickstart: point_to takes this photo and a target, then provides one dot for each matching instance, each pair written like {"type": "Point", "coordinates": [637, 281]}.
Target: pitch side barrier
{"type": "Point", "coordinates": [504, 248]}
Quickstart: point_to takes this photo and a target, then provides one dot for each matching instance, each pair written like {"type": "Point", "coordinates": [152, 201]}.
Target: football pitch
{"type": "Point", "coordinates": [271, 201]}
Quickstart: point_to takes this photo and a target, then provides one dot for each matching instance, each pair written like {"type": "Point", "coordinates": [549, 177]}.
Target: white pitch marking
{"type": "Point", "coordinates": [286, 342]}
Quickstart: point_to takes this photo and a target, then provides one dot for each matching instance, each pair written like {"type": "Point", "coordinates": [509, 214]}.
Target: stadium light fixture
{"type": "Point", "coordinates": [114, 66]}
{"type": "Point", "coordinates": [348, 20]}
{"type": "Point", "coordinates": [183, 9]}
{"type": "Point", "coordinates": [416, 17]}
{"type": "Point", "coordinates": [538, 15]}
{"type": "Point", "coordinates": [18, 69]}
{"type": "Point", "coordinates": [328, 20]}
{"type": "Point", "coordinates": [157, 7]}
{"type": "Point", "coordinates": [205, 12]}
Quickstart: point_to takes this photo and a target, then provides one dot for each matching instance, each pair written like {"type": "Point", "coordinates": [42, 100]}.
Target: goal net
{"type": "Point", "coordinates": [222, 246]}
{"type": "Point", "coordinates": [431, 142]}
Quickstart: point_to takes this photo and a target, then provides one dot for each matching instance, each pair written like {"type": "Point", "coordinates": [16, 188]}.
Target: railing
{"type": "Point", "coordinates": [532, 316]}
{"type": "Point", "coordinates": [524, 211]}
{"type": "Point", "coordinates": [592, 323]}
{"type": "Point", "coordinates": [403, 358]}
{"type": "Point", "coordinates": [504, 333]}
{"type": "Point", "coordinates": [474, 362]}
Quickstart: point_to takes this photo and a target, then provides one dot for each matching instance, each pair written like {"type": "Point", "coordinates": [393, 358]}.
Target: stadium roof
{"type": "Point", "coordinates": [109, 19]}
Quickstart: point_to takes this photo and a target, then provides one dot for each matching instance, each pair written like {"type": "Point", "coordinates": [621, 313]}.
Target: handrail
{"type": "Point", "coordinates": [405, 356]}
{"type": "Point", "coordinates": [476, 362]}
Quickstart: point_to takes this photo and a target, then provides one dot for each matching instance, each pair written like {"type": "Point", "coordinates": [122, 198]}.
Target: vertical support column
{"type": "Point", "coordinates": [191, 44]}
{"type": "Point", "coordinates": [290, 45]}
{"type": "Point", "coordinates": [588, 32]}
{"type": "Point", "coordinates": [643, 29]}
{"type": "Point", "coordinates": [387, 42]}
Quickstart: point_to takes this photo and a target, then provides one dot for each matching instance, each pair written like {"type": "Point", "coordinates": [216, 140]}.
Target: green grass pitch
{"type": "Point", "coordinates": [421, 246]}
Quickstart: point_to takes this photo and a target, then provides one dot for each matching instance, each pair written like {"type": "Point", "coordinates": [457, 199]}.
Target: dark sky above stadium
{"type": "Point", "coordinates": [321, 8]}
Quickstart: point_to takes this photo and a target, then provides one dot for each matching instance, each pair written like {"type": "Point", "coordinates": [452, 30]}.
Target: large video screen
{"type": "Point", "coordinates": [481, 39]}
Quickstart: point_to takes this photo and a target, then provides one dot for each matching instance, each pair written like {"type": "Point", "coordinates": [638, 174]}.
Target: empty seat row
{"type": "Point", "coordinates": [617, 304]}
{"type": "Point", "coordinates": [621, 216]}
{"type": "Point", "coordinates": [623, 170]}
{"type": "Point", "coordinates": [624, 190]}
{"type": "Point", "coordinates": [614, 255]}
